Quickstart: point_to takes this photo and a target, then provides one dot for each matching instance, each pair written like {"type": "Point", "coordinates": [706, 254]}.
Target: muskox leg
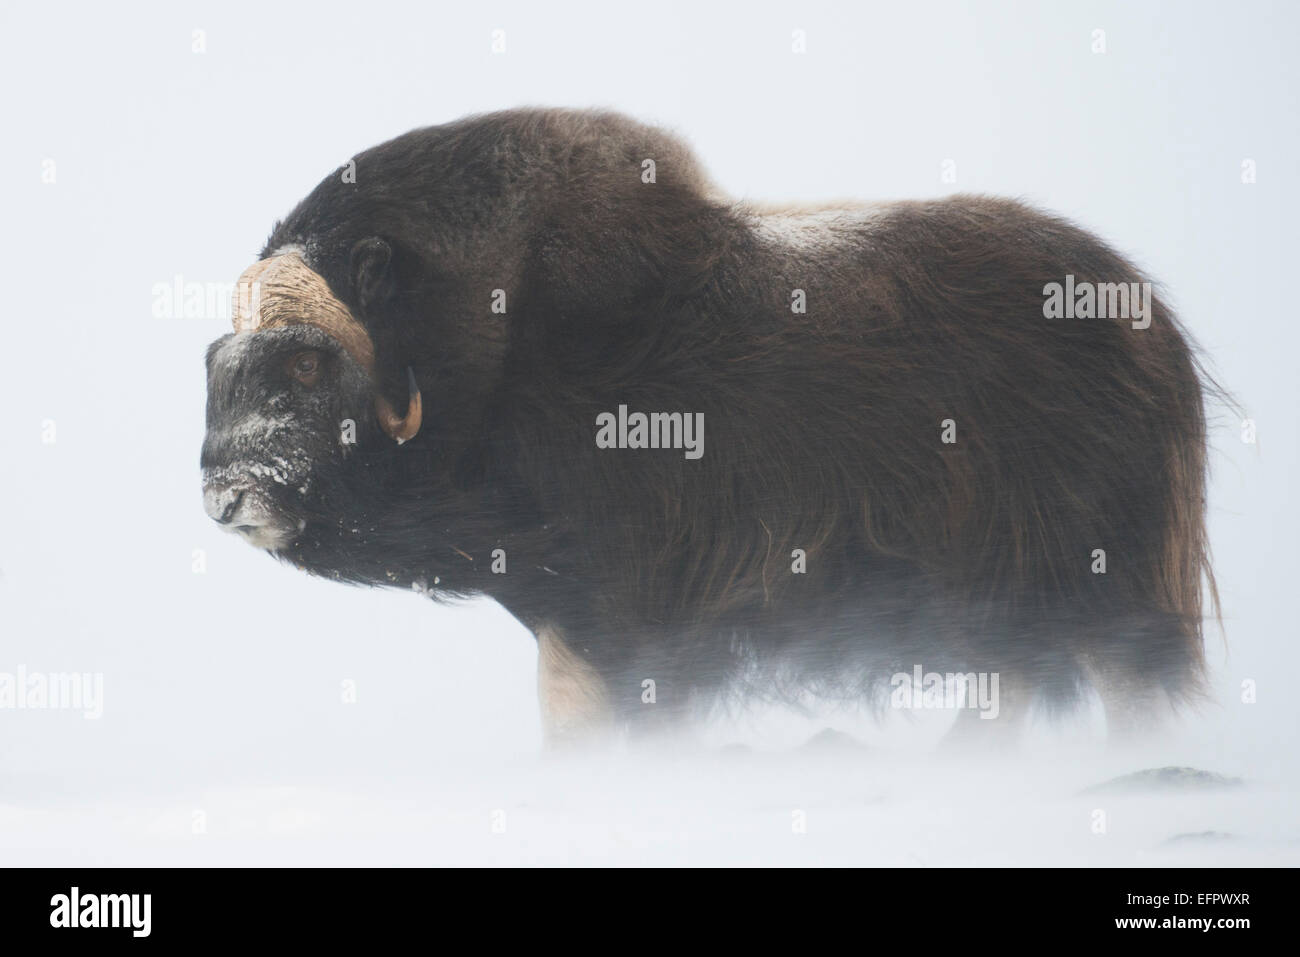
{"type": "Point", "coordinates": [1143, 665]}
{"type": "Point", "coordinates": [574, 698]}
{"type": "Point", "coordinates": [974, 731]}
{"type": "Point", "coordinates": [1128, 712]}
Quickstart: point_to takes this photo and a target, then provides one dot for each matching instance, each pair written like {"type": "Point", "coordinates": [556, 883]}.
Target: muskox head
{"type": "Point", "coordinates": [494, 257]}
{"type": "Point", "coordinates": [292, 393]}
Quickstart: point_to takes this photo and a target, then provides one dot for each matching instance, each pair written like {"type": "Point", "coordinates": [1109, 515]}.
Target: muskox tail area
{"type": "Point", "coordinates": [1067, 522]}
{"type": "Point", "coordinates": [1185, 577]}
{"type": "Point", "coordinates": [1062, 545]}
{"type": "Point", "coordinates": [1186, 573]}
{"type": "Point", "coordinates": [1142, 625]}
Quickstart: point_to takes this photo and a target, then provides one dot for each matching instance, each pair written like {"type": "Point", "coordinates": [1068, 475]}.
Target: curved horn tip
{"type": "Point", "coordinates": [402, 429]}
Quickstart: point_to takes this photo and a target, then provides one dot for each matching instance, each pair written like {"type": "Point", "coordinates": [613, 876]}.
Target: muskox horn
{"type": "Point", "coordinates": [402, 428]}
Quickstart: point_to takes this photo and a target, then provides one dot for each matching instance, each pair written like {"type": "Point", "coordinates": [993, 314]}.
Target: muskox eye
{"type": "Point", "coordinates": [305, 367]}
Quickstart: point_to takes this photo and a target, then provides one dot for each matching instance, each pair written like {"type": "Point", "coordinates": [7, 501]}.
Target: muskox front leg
{"type": "Point", "coordinates": [574, 698]}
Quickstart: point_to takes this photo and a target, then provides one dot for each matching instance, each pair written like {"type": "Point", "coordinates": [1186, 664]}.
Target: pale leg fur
{"type": "Point", "coordinates": [573, 697]}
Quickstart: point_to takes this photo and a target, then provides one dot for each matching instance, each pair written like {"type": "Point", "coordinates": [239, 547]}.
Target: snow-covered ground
{"type": "Point", "coordinates": [277, 769]}
{"type": "Point", "coordinates": [846, 808]}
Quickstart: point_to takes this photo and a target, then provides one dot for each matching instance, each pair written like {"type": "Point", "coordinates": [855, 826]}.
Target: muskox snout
{"type": "Point", "coordinates": [221, 504]}
{"type": "Point", "coordinates": [239, 508]}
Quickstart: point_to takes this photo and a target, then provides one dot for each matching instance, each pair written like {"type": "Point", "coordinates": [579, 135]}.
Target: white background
{"type": "Point", "coordinates": [222, 689]}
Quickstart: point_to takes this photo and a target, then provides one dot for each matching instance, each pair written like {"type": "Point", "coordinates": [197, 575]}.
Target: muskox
{"type": "Point", "coordinates": [707, 450]}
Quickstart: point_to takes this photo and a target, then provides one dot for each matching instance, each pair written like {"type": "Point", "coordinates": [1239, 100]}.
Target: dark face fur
{"type": "Point", "coordinates": [287, 408]}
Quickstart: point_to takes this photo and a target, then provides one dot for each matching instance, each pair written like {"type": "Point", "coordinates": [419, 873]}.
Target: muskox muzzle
{"type": "Point", "coordinates": [239, 507]}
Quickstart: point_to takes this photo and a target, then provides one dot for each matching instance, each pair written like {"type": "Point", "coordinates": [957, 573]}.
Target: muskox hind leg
{"type": "Point", "coordinates": [1017, 661]}
{"type": "Point", "coordinates": [1143, 666]}
{"type": "Point", "coordinates": [574, 698]}
{"type": "Point", "coordinates": [994, 726]}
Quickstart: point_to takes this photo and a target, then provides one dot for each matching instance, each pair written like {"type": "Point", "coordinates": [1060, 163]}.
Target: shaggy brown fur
{"type": "Point", "coordinates": [822, 430]}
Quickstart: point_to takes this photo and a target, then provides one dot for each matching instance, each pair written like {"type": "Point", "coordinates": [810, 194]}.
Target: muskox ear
{"type": "Point", "coordinates": [371, 272]}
